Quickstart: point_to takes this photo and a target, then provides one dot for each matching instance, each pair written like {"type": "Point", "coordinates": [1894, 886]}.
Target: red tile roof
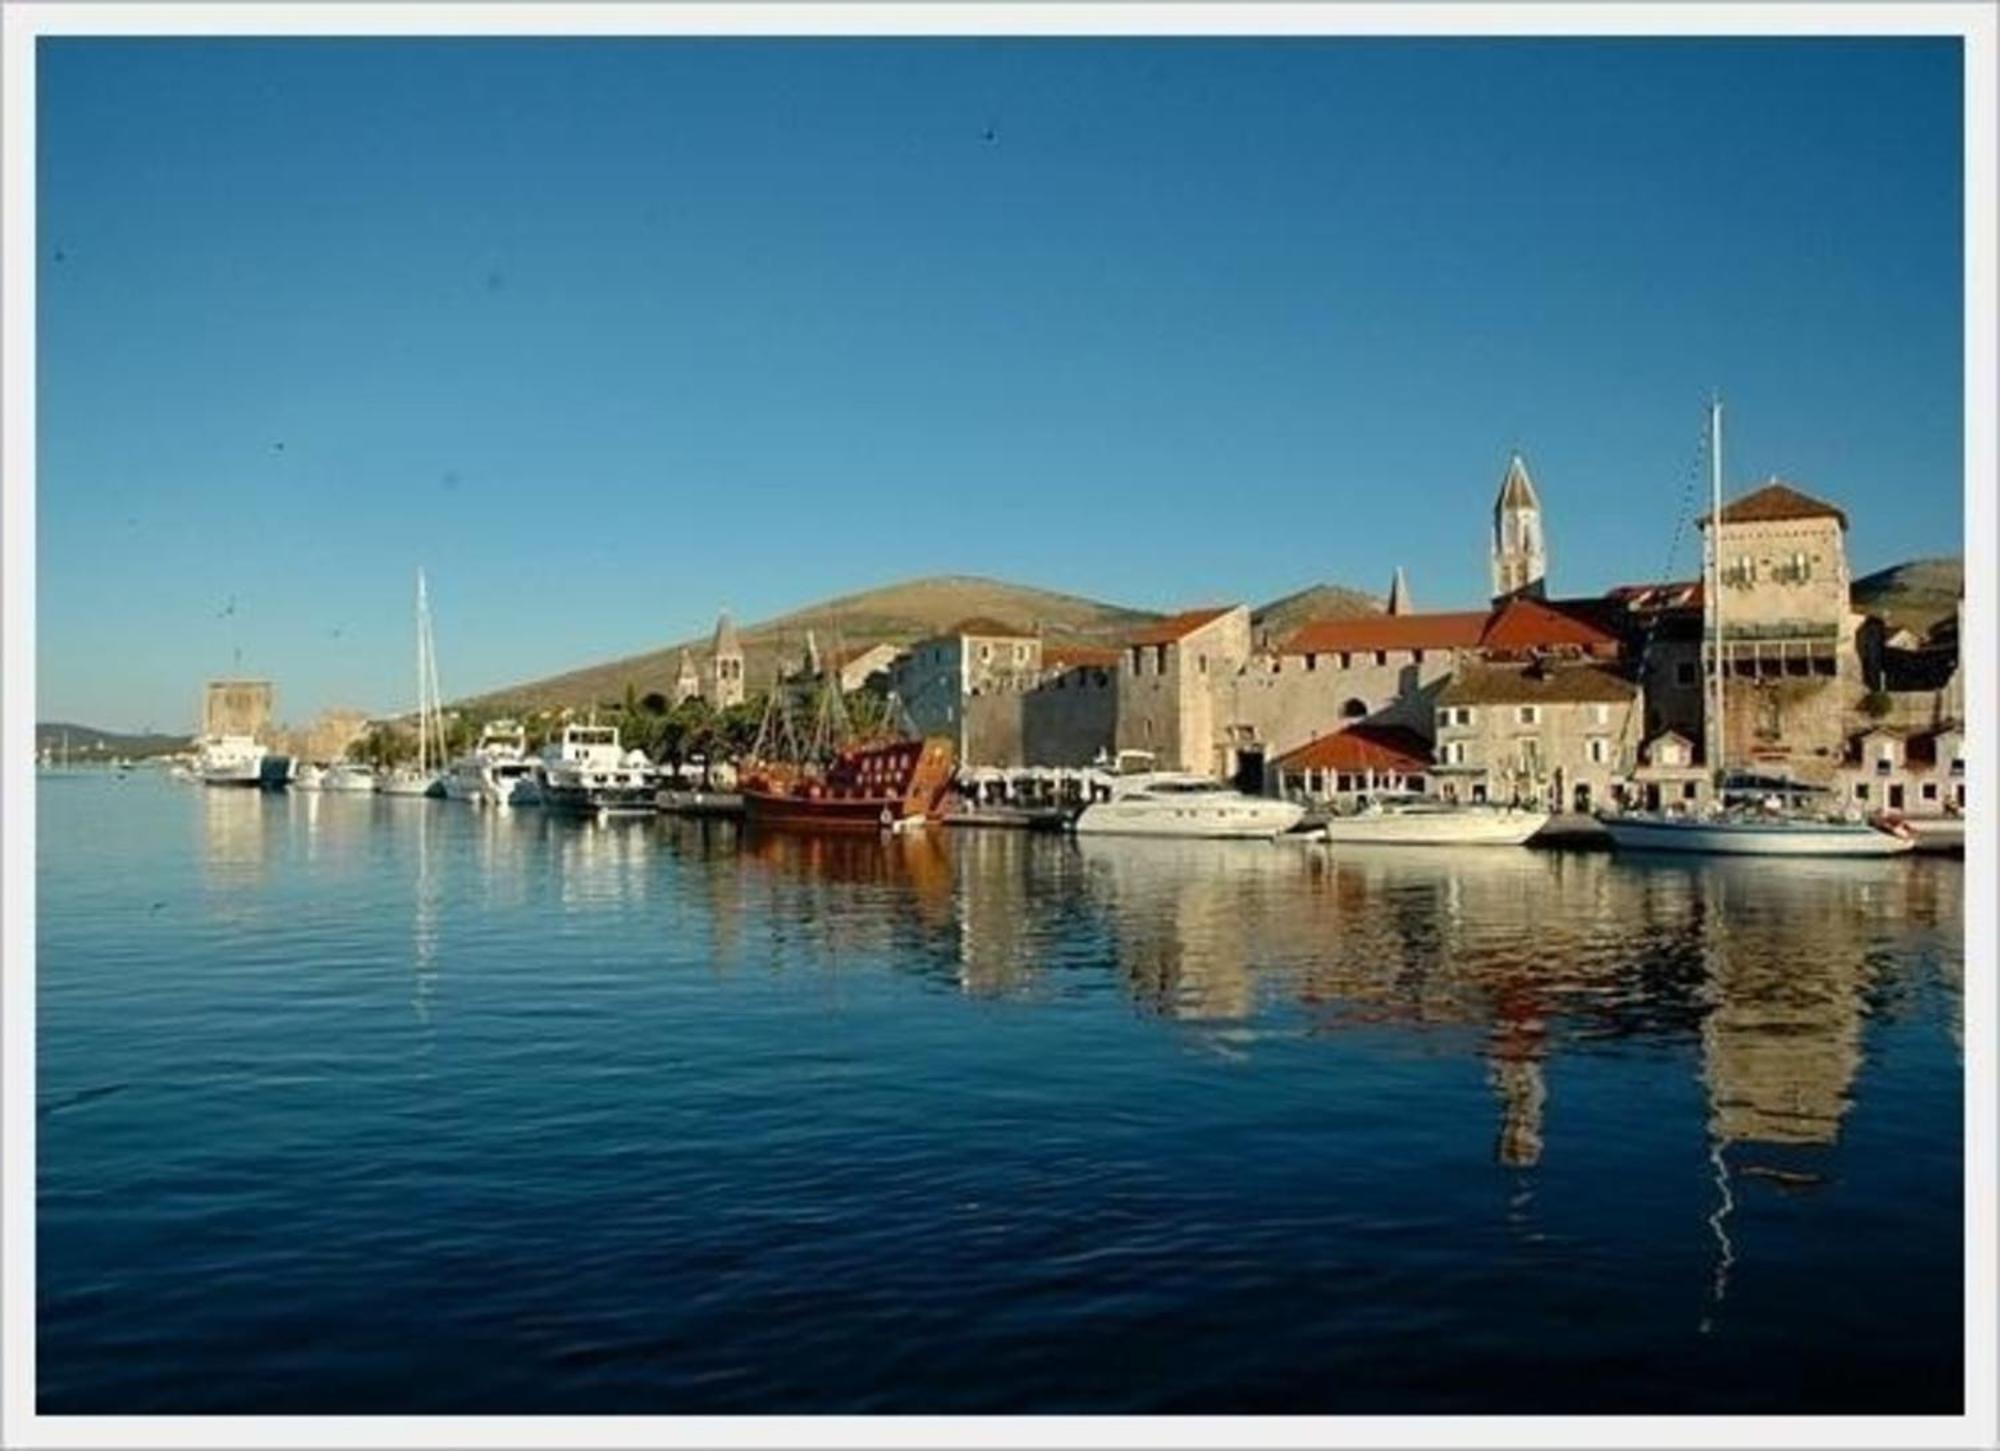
{"type": "Point", "coordinates": [1526, 624]}
{"type": "Point", "coordinates": [1778, 500]}
{"type": "Point", "coordinates": [1363, 748]}
{"type": "Point", "coordinates": [1068, 657]}
{"type": "Point", "coordinates": [1173, 627]}
{"type": "Point", "coordinates": [1455, 630]}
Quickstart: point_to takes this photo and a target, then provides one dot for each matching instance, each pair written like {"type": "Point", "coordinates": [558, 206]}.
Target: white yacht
{"type": "Point", "coordinates": [348, 776]}
{"type": "Point", "coordinates": [586, 771]}
{"type": "Point", "coordinates": [497, 771]}
{"type": "Point", "coordinates": [1176, 803]}
{"type": "Point", "coordinates": [1412, 820]}
{"type": "Point", "coordinates": [308, 777]}
{"type": "Point", "coordinates": [229, 761]}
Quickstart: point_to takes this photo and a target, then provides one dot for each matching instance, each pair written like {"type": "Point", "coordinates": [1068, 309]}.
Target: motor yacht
{"type": "Point", "coordinates": [498, 771]}
{"type": "Point", "coordinates": [1412, 820]}
{"type": "Point", "coordinates": [586, 771]}
{"type": "Point", "coordinates": [1175, 803]}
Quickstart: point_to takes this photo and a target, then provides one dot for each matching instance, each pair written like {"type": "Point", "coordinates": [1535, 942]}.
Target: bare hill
{"type": "Point", "coordinates": [897, 614]}
{"type": "Point", "coordinates": [1916, 594]}
{"type": "Point", "coordinates": [1282, 616]}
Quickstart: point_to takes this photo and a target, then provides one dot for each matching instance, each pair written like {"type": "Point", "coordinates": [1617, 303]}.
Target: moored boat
{"type": "Point", "coordinates": [586, 771]}
{"type": "Point", "coordinates": [1425, 821]}
{"type": "Point", "coordinates": [308, 777]}
{"type": "Point", "coordinates": [230, 761]}
{"type": "Point", "coordinates": [888, 785]}
{"type": "Point", "coordinates": [1175, 803]}
{"type": "Point", "coordinates": [1758, 834]}
{"type": "Point", "coordinates": [498, 771]}
{"type": "Point", "coordinates": [356, 776]}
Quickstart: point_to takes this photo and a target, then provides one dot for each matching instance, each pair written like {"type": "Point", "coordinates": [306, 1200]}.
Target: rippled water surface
{"type": "Point", "coordinates": [356, 1105]}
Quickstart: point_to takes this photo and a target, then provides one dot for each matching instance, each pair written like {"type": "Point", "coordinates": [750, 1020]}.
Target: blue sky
{"type": "Point", "coordinates": [607, 335]}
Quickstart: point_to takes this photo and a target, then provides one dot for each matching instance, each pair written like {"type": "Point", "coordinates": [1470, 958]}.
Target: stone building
{"type": "Point", "coordinates": [687, 682]}
{"type": "Point", "coordinates": [237, 708]}
{"type": "Point", "coordinates": [1918, 774]}
{"type": "Point", "coordinates": [1791, 676]}
{"type": "Point", "coordinates": [936, 678]}
{"type": "Point", "coordinates": [1167, 688]}
{"type": "Point", "coordinates": [1563, 735]}
{"type": "Point", "coordinates": [859, 667]}
{"type": "Point", "coordinates": [725, 666]}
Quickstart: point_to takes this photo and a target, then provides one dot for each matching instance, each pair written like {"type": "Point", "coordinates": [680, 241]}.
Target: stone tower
{"type": "Point", "coordinates": [1520, 558]}
{"type": "Point", "coordinates": [1399, 593]}
{"type": "Point", "coordinates": [726, 665]}
{"type": "Point", "coordinates": [687, 684]}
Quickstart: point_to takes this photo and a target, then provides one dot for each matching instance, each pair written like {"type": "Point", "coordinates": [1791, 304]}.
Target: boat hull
{"type": "Point", "coordinates": [1814, 839]}
{"type": "Point", "coordinates": [1444, 828]}
{"type": "Point", "coordinates": [1254, 820]}
{"type": "Point", "coordinates": [784, 812]}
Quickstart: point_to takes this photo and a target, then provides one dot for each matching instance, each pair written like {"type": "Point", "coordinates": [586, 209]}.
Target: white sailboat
{"type": "Point", "coordinates": [426, 777]}
{"type": "Point", "coordinates": [1413, 820]}
{"type": "Point", "coordinates": [1768, 818]}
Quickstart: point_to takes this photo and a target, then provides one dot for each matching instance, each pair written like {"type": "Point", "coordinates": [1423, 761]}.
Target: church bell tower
{"type": "Point", "coordinates": [1520, 558]}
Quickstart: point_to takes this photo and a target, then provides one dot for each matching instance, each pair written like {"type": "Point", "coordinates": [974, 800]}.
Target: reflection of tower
{"type": "Point", "coordinates": [726, 665]}
{"type": "Point", "coordinates": [1520, 558]}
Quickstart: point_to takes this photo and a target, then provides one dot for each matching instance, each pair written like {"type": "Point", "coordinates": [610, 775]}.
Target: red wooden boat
{"type": "Point", "coordinates": [866, 788]}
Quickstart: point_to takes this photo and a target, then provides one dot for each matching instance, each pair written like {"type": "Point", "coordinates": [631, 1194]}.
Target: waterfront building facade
{"type": "Point", "coordinates": [936, 678]}
{"type": "Point", "coordinates": [1168, 677]}
{"type": "Point", "coordinates": [1560, 735]}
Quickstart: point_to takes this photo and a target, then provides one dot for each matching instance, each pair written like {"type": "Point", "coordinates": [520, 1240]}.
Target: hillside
{"type": "Point", "coordinates": [1282, 616]}
{"type": "Point", "coordinates": [895, 614]}
{"type": "Point", "coordinates": [1916, 594]}
{"type": "Point", "coordinates": [90, 743]}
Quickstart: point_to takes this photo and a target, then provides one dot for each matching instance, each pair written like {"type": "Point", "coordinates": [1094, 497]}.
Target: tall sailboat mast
{"type": "Point", "coordinates": [423, 684]}
{"type": "Point", "coordinates": [1717, 736]}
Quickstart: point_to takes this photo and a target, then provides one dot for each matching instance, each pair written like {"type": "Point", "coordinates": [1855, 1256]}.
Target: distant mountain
{"type": "Point", "coordinates": [896, 614]}
{"type": "Point", "coordinates": [1914, 595]}
{"type": "Point", "coordinates": [90, 743]}
{"type": "Point", "coordinates": [1316, 602]}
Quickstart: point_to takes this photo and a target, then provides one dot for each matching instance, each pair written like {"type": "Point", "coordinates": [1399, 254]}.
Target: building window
{"type": "Point", "coordinates": [1860, 790]}
{"type": "Point", "coordinates": [1688, 790]}
{"type": "Point", "coordinates": [1346, 660]}
{"type": "Point", "coordinates": [1312, 661]}
{"type": "Point", "coordinates": [1529, 715]}
{"type": "Point", "coordinates": [1201, 663]}
{"type": "Point", "coordinates": [1137, 660]}
{"type": "Point", "coordinates": [1600, 750]}
{"type": "Point", "coordinates": [985, 652]}
{"type": "Point", "coordinates": [1417, 657]}
{"type": "Point", "coordinates": [1381, 657]}
{"type": "Point", "coordinates": [1930, 790]}
{"type": "Point", "coordinates": [1159, 659]}
{"type": "Point", "coordinates": [1354, 709]}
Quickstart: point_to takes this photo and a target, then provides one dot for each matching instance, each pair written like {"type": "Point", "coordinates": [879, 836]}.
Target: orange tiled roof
{"type": "Point", "coordinates": [1453, 630]}
{"type": "Point", "coordinates": [1173, 627]}
{"type": "Point", "coordinates": [1775, 501]}
{"type": "Point", "coordinates": [1066, 657]}
{"type": "Point", "coordinates": [1362, 748]}
{"type": "Point", "coordinates": [1526, 624]}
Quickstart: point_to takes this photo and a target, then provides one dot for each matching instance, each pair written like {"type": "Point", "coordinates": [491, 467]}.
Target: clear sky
{"type": "Point", "coordinates": [607, 335]}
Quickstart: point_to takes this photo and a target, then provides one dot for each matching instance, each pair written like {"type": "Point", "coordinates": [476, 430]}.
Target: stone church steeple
{"type": "Point", "coordinates": [1399, 593]}
{"type": "Point", "coordinates": [1520, 556]}
{"type": "Point", "coordinates": [726, 665]}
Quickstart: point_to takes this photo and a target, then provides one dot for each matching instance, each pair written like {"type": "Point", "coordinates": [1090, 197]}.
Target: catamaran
{"type": "Point", "coordinates": [424, 778]}
{"type": "Point", "coordinates": [1773, 817]}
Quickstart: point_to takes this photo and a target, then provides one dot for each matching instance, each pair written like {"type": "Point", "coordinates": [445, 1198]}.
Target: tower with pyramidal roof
{"type": "Point", "coordinates": [1520, 555]}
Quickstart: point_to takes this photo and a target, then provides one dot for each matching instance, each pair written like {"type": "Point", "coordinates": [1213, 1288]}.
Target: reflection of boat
{"type": "Point", "coordinates": [230, 761]}
{"type": "Point", "coordinates": [1425, 821]}
{"type": "Point", "coordinates": [1173, 803]}
{"type": "Point", "coordinates": [497, 771]}
{"type": "Point", "coordinates": [866, 788]}
{"type": "Point", "coordinates": [693, 801]}
{"type": "Point", "coordinates": [1757, 817]}
{"type": "Point", "coordinates": [586, 771]}
{"type": "Point", "coordinates": [348, 776]}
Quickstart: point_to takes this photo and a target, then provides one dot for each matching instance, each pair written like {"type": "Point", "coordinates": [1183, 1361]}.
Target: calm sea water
{"type": "Point", "coordinates": [351, 1105]}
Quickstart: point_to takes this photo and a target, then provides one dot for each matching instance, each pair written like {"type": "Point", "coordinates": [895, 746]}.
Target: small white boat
{"type": "Point", "coordinates": [1174, 803]}
{"type": "Point", "coordinates": [348, 776]}
{"type": "Point", "coordinates": [308, 777]}
{"type": "Point", "coordinates": [409, 781]}
{"type": "Point", "coordinates": [585, 771]}
{"type": "Point", "coordinates": [230, 761]}
{"type": "Point", "coordinates": [1425, 821]}
{"type": "Point", "coordinates": [498, 771]}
